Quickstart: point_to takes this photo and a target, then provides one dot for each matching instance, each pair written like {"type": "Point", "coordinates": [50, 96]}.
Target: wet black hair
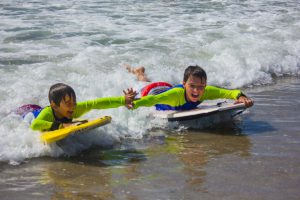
{"type": "Point", "coordinates": [194, 70]}
{"type": "Point", "coordinates": [58, 91]}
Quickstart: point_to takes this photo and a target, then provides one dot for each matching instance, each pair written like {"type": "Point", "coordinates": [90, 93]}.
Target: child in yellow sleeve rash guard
{"type": "Point", "coordinates": [63, 107]}
{"type": "Point", "coordinates": [185, 96]}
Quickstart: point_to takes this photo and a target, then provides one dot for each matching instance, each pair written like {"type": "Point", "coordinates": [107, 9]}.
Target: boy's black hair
{"type": "Point", "coordinates": [58, 91]}
{"type": "Point", "coordinates": [194, 70]}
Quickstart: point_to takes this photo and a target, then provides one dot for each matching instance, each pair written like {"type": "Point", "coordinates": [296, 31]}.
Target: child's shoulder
{"type": "Point", "coordinates": [211, 87]}
{"type": "Point", "coordinates": [47, 110]}
{"type": "Point", "coordinates": [175, 90]}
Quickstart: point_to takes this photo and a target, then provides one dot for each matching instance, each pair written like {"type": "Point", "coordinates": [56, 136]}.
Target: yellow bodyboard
{"type": "Point", "coordinates": [79, 126]}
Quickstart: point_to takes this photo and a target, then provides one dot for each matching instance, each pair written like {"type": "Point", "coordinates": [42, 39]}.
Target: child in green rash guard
{"type": "Point", "coordinates": [63, 107]}
{"type": "Point", "coordinates": [188, 95]}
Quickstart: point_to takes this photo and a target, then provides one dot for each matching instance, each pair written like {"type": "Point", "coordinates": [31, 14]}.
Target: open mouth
{"type": "Point", "coordinates": [195, 95]}
{"type": "Point", "coordinates": [70, 113]}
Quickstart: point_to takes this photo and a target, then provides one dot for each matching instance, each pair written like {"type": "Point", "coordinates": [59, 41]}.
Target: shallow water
{"type": "Point", "coordinates": [250, 44]}
{"type": "Point", "coordinates": [85, 43]}
{"type": "Point", "coordinates": [255, 157]}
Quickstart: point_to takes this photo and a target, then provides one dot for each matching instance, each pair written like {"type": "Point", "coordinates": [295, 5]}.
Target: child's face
{"type": "Point", "coordinates": [194, 88]}
{"type": "Point", "coordinates": [66, 107]}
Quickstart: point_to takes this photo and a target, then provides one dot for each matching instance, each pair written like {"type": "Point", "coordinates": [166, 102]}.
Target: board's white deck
{"type": "Point", "coordinates": [203, 109]}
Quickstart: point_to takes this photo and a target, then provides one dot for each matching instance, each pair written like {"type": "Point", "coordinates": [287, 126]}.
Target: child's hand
{"type": "Point", "coordinates": [247, 101]}
{"type": "Point", "coordinates": [65, 125]}
{"type": "Point", "coordinates": [129, 97]}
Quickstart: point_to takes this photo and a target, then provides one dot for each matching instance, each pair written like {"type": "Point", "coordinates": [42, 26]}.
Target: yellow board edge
{"type": "Point", "coordinates": [53, 136]}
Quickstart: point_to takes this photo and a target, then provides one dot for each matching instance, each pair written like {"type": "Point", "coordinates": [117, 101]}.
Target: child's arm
{"type": "Point", "coordinates": [104, 103]}
{"type": "Point", "coordinates": [212, 92]}
{"type": "Point", "coordinates": [172, 97]}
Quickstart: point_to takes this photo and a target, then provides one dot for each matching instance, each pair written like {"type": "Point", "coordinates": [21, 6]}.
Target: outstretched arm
{"type": "Point", "coordinates": [172, 97]}
{"type": "Point", "coordinates": [105, 103]}
{"type": "Point", "coordinates": [99, 103]}
{"type": "Point", "coordinates": [212, 92]}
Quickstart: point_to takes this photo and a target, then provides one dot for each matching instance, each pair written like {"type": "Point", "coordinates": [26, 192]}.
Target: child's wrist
{"type": "Point", "coordinates": [55, 125]}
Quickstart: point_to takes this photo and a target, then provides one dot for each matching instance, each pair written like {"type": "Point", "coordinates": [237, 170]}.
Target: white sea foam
{"type": "Point", "coordinates": [85, 44]}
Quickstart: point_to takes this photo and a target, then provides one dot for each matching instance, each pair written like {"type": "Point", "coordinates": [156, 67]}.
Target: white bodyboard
{"type": "Point", "coordinates": [203, 110]}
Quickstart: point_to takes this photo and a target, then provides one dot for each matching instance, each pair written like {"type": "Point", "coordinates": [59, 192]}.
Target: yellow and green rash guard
{"type": "Point", "coordinates": [46, 120]}
{"type": "Point", "coordinates": [175, 98]}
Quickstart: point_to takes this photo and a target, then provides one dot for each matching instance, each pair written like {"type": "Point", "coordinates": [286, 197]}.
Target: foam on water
{"type": "Point", "coordinates": [85, 44]}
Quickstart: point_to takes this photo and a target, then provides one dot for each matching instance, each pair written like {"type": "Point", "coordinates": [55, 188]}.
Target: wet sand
{"type": "Point", "coordinates": [256, 157]}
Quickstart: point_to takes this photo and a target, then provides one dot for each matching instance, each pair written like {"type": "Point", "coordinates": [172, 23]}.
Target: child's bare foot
{"type": "Point", "coordinates": [128, 68]}
{"type": "Point", "coordinates": [138, 71]}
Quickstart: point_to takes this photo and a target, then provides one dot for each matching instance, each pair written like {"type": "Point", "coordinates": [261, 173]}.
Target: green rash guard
{"type": "Point", "coordinates": [174, 98]}
{"type": "Point", "coordinates": [46, 120]}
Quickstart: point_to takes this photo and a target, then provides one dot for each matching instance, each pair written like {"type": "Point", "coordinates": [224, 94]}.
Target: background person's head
{"type": "Point", "coordinates": [194, 82]}
{"type": "Point", "coordinates": [62, 100]}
